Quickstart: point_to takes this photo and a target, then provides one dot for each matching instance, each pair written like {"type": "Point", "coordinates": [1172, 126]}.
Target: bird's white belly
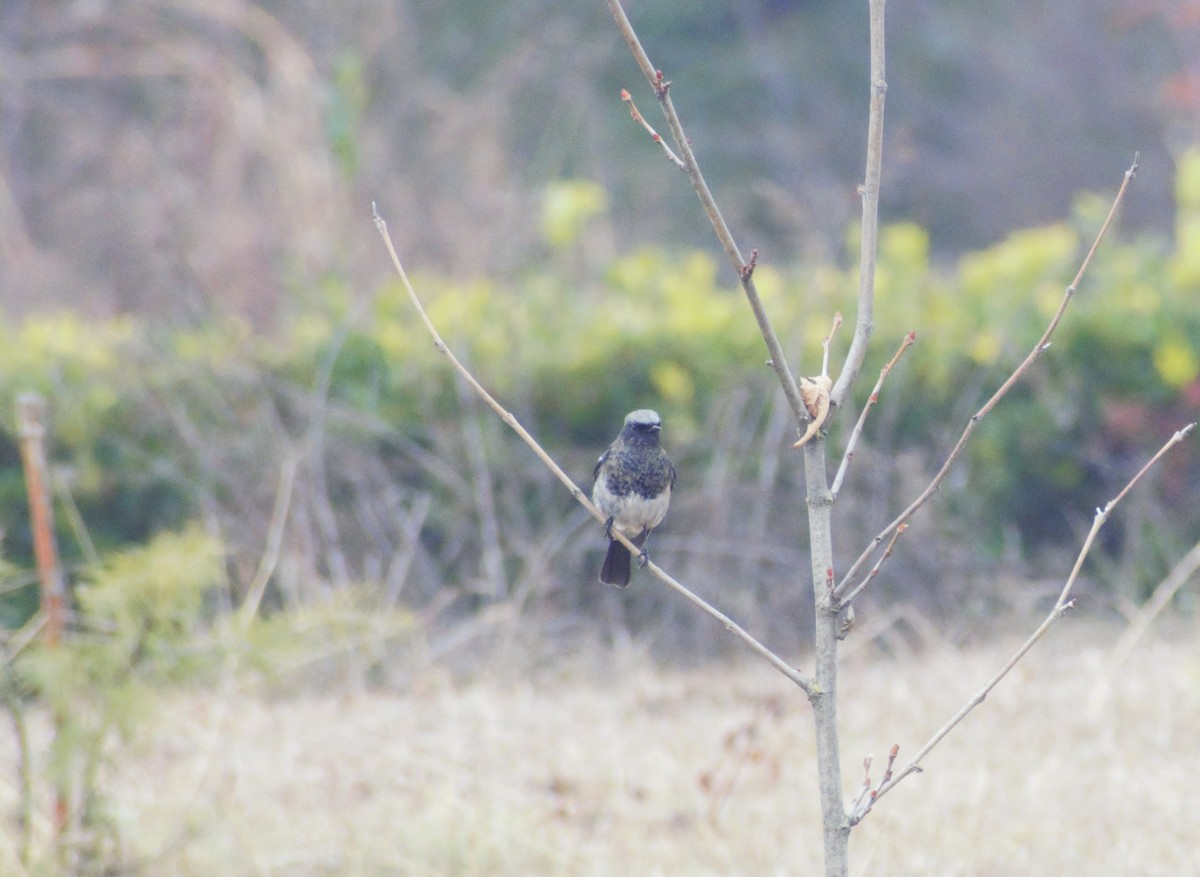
{"type": "Point", "coordinates": [633, 513]}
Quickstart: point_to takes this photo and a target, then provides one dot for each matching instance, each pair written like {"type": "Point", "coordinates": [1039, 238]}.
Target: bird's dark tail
{"type": "Point", "coordinates": [616, 567]}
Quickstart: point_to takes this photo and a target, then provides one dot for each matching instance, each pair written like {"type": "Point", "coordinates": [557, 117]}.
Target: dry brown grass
{"type": "Point", "coordinates": [618, 768]}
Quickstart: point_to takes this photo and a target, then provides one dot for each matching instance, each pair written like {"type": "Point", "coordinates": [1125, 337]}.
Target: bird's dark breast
{"type": "Point", "coordinates": [632, 473]}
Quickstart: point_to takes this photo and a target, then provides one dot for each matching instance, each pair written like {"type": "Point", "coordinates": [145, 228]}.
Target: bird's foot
{"type": "Point", "coordinates": [608, 527]}
{"type": "Point", "coordinates": [643, 559]}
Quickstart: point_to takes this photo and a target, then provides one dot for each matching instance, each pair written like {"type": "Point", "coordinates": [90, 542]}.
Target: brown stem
{"type": "Point", "coordinates": [31, 425]}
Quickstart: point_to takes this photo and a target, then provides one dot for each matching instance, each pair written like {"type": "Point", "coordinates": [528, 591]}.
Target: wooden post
{"type": "Point", "coordinates": [31, 426]}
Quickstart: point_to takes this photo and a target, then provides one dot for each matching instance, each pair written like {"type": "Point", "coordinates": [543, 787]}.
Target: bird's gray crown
{"type": "Point", "coordinates": [643, 417]}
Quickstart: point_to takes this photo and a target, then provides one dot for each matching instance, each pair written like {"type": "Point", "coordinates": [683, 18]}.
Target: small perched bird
{"type": "Point", "coordinates": [633, 488]}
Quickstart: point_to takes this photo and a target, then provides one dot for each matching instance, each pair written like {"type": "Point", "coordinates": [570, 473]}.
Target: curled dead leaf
{"type": "Point", "coordinates": [814, 392]}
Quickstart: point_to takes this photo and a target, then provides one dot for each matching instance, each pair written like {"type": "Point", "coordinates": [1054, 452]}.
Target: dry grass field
{"type": "Point", "coordinates": [614, 767]}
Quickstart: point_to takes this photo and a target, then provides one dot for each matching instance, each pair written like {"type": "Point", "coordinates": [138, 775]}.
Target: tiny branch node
{"type": "Point", "coordinates": [747, 270]}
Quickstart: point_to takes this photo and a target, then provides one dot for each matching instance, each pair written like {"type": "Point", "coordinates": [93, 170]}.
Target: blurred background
{"type": "Point", "coordinates": [327, 615]}
{"type": "Point", "coordinates": [191, 277]}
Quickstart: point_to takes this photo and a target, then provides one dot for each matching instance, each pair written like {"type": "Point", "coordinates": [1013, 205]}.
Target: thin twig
{"type": "Point", "coordinates": [62, 489]}
{"type": "Point", "coordinates": [654, 135]}
{"type": "Point", "coordinates": [867, 798]}
{"type": "Point", "coordinates": [732, 626]}
{"type": "Point", "coordinates": [409, 526]}
{"type": "Point", "coordinates": [778, 361]}
{"type": "Point", "coordinates": [869, 235]}
{"type": "Point", "coordinates": [851, 445]}
{"type": "Point", "coordinates": [483, 495]}
{"type": "Point", "coordinates": [860, 802]}
{"type": "Point", "coordinates": [1061, 607]}
{"type": "Point", "coordinates": [782, 666]}
{"type": "Point", "coordinates": [1039, 348]}
{"type": "Point", "coordinates": [870, 577]}
{"type": "Point", "coordinates": [1166, 590]}
{"type": "Point", "coordinates": [274, 547]}
{"type": "Point", "coordinates": [837, 322]}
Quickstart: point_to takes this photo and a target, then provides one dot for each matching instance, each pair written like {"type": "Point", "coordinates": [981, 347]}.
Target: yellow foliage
{"type": "Point", "coordinates": [1143, 300]}
{"type": "Point", "coordinates": [1026, 260]}
{"type": "Point", "coordinates": [638, 270]}
{"type": "Point", "coordinates": [905, 246]}
{"type": "Point", "coordinates": [986, 348]}
{"type": "Point", "coordinates": [1176, 362]}
{"type": "Point", "coordinates": [673, 382]}
{"type": "Point", "coordinates": [1187, 181]}
{"type": "Point", "coordinates": [568, 206]}
{"type": "Point", "coordinates": [64, 350]}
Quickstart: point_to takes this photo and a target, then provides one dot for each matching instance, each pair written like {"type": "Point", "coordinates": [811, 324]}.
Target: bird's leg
{"type": "Point", "coordinates": [608, 527]}
{"type": "Point", "coordinates": [644, 554]}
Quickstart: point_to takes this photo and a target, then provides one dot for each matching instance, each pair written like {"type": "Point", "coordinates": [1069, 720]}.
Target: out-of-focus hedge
{"type": "Point", "coordinates": [154, 426]}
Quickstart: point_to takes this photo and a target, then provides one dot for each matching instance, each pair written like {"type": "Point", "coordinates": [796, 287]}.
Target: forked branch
{"type": "Point", "coordinates": [849, 579]}
{"type": "Point", "coordinates": [636, 115]}
{"type": "Point", "coordinates": [662, 90]}
{"type": "Point", "coordinates": [1061, 607]}
{"type": "Point", "coordinates": [909, 340]}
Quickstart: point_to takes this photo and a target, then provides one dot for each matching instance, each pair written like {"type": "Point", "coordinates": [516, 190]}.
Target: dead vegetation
{"type": "Point", "coordinates": [610, 765]}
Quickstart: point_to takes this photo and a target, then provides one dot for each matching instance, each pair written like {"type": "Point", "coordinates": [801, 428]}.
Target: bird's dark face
{"type": "Point", "coordinates": [642, 427]}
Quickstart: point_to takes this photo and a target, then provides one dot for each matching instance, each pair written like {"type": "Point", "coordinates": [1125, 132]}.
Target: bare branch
{"type": "Point", "coordinates": [805, 684]}
{"type": "Point", "coordinates": [745, 272]}
{"type": "Point", "coordinates": [66, 498]}
{"type": "Point", "coordinates": [1040, 347]}
{"type": "Point", "coordinates": [274, 546]}
{"type": "Point", "coordinates": [1061, 607]}
{"type": "Point", "coordinates": [787, 670]}
{"type": "Point", "coordinates": [869, 235]}
{"type": "Point", "coordinates": [909, 340]}
{"type": "Point", "coordinates": [860, 803]}
{"type": "Point", "coordinates": [868, 796]}
{"type": "Point", "coordinates": [654, 135]}
{"type": "Point", "coordinates": [837, 322]}
{"type": "Point", "coordinates": [483, 494]}
{"type": "Point", "coordinates": [1179, 576]}
{"type": "Point", "coordinates": [870, 577]}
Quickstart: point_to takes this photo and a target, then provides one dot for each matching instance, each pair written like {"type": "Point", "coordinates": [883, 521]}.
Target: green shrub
{"type": "Point", "coordinates": [155, 424]}
{"type": "Point", "coordinates": [138, 627]}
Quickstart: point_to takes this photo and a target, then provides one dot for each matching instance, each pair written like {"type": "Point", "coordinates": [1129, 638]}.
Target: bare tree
{"type": "Point", "coordinates": [812, 401]}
